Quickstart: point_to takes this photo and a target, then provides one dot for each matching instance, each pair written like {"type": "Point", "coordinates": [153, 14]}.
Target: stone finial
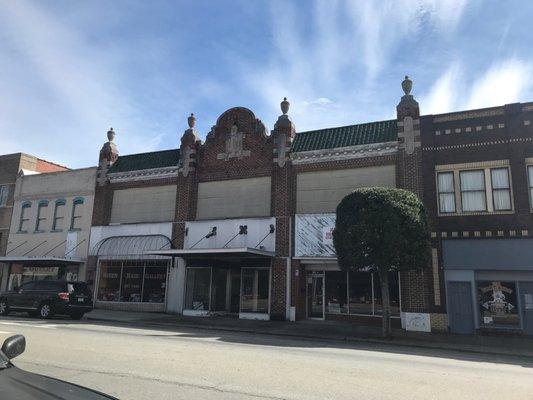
{"type": "Point", "coordinates": [190, 136]}
{"type": "Point", "coordinates": [407, 85]}
{"type": "Point", "coordinates": [285, 106]}
{"type": "Point", "coordinates": [110, 134]}
{"type": "Point", "coordinates": [191, 121]}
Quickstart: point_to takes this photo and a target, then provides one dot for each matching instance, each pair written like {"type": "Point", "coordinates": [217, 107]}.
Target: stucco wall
{"type": "Point", "coordinates": [321, 191]}
{"type": "Point", "coordinates": [148, 204]}
{"type": "Point", "coordinates": [50, 187]}
{"type": "Point", "coordinates": [234, 198]}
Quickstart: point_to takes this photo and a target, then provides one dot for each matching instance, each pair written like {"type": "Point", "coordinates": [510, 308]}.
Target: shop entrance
{"type": "Point", "coordinates": [227, 290]}
{"type": "Point", "coordinates": [315, 295]}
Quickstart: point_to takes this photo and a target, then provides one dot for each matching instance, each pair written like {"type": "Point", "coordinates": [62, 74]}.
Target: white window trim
{"type": "Point", "coordinates": [486, 166]}
{"type": "Point", "coordinates": [529, 164]}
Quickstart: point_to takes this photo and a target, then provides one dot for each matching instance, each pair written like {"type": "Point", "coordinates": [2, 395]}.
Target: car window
{"type": "Point", "coordinates": [79, 287]}
{"type": "Point", "coordinates": [52, 286]}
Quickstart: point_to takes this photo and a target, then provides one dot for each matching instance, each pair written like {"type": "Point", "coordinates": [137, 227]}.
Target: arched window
{"type": "Point", "coordinates": [42, 210]}
{"type": "Point", "coordinates": [59, 215]}
{"type": "Point", "coordinates": [24, 217]}
{"type": "Point", "coordinates": [77, 209]}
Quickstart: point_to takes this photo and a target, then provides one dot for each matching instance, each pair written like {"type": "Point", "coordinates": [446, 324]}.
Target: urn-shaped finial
{"type": "Point", "coordinates": [110, 134]}
{"type": "Point", "coordinates": [191, 121]}
{"type": "Point", "coordinates": [285, 106]}
{"type": "Point", "coordinates": [407, 85]}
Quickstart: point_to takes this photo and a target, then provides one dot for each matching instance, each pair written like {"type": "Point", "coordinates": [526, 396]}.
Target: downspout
{"type": "Point", "coordinates": [288, 276]}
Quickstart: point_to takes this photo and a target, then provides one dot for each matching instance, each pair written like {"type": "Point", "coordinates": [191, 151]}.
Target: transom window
{"type": "Point", "coordinates": [475, 190]}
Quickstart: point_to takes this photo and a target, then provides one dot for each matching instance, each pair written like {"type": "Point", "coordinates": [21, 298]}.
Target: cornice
{"type": "Point", "coordinates": [344, 153]}
{"type": "Point", "coordinates": [469, 115]}
{"type": "Point", "coordinates": [143, 174]}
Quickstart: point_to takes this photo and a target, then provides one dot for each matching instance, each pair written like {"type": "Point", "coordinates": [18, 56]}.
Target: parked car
{"type": "Point", "coordinates": [46, 297]}
{"type": "Point", "coordinates": [17, 384]}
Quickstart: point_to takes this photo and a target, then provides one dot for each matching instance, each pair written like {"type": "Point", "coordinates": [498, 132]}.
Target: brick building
{"type": "Point", "coordinates": [241, 223]}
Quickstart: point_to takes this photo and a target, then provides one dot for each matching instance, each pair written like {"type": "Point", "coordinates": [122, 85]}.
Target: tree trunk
{"type": "Point", "coordinates": [384, 281]}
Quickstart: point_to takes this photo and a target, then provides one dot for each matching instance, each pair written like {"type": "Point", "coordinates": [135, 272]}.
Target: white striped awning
{"type": "Point", "coordinates": [131, 247]}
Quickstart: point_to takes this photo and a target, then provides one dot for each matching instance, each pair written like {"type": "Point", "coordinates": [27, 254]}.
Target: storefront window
{"type": "Point", "coordinates": [127, 282]}
{"type": "Point", "coordinates": [132, 280]}
{"type": "Point", "coordinates": [109, 286]}
{"type": "Point", "coordinates": [336, 292]}
{"type": "Point", "coordinates": [498, 303]}
{"type": "Point", "coordinates": [255, 290]}
{"type": "Point", "coordinates": [394, 294]}
{"type": "Point", "coordinates": [155, 279]}
{"type": "Point", "coordinates": [198, 288]}
{"type": "Point", "coordinates": [360, 292]}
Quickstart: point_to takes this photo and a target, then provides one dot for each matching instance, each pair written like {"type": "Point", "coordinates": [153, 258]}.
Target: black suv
{"type": "Point", "coordinates": [46, 298]}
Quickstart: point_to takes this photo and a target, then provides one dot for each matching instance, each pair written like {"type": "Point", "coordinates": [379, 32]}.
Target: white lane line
{"type": "Point", "coordinates": [4, 333]}
{"type": "Point", "coordinates": [28, 325]}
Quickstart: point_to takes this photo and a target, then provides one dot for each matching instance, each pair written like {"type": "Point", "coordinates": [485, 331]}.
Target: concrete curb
{"type": "Point", "coordinates": [473, 349]}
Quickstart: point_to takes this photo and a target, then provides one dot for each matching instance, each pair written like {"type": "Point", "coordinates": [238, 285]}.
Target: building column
{"type": "Point", "coordinates": [282, 190]}
{"type": "Point", "coordinates": [415, 288]}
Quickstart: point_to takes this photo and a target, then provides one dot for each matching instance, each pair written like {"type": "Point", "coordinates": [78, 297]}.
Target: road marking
{"type": "Point", "coordinates": [28, 325]}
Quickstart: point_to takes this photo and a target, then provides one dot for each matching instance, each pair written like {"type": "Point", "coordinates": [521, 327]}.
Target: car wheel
{"type": "Point", "coordinates": [76, 316]}
{"type": "Point", "coordinates": [44, 311]}
{"type": "Point", "coordinates": [4, 307]}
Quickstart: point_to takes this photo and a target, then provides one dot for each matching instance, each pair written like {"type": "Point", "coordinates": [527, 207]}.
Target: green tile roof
{"type": "Point", "coordinates": [345, 136]}
{"type": "Point", "coordinates": [154, 159]}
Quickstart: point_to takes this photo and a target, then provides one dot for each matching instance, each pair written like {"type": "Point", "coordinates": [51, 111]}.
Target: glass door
{"type": "Point", "coordinates": [315, 295]}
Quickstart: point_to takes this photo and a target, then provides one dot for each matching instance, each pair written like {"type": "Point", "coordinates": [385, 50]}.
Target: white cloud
{"type": "Point", "coordinates": [74, 90]}
{"type": "Point", "coordinates": [443, 95]}
{"type": "Point", "coordinates": [502, 83]}
{"type": "Point", "coordinates": [383, 26]}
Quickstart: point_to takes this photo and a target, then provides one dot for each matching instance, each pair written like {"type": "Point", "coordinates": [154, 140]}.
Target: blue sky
{"type": "Point", "coordinates": [71, 69]}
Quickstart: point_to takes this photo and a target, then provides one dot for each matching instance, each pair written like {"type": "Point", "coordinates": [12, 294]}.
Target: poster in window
{"type": "Point", "coordinates": [498, 303]}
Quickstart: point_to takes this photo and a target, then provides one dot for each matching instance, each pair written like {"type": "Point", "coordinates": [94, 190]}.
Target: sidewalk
{"type": "Point", "coordinates": [328, 330]}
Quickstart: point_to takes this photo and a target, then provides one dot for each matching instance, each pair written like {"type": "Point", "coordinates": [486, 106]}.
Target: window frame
{"type": "Point", "coordinates": [439, 193]}
{"type": "Point", "coordinates": [508, 189]}
{"type": "Point", "coordinates": [58, 203]}
{"type": "Point", "coordinates": [530, 186]}
{"type": "Point", "coordinates": [487, 167]}
{"type": "Point", "coordinates": [461, 191]}
{"type": "Point", "coordinates": [25, 206]}
{"type": "Point", "coordinates": [4, 194]}
{"type": "Point", "coordinates": [39, 218]}
{"type": "Point", "coordinates": [79, 201]}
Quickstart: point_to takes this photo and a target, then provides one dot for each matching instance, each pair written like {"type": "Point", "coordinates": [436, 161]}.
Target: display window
{"type": "Point", "coordinates": [497, 302]}
{"type": "Point", "coordinates": [359, 293]}
{"type": "Point", "coordinates": [198, 289]}
{"type": "Point", "coordinates": [255, 290]}
{"type": "Point", "coordinates": [133, 282]}
{"type": "Point", "coordinates": [336, 293]}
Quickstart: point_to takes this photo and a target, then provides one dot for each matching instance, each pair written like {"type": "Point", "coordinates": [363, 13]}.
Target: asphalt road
{"type": "Point", "coordinates": [147, 363]}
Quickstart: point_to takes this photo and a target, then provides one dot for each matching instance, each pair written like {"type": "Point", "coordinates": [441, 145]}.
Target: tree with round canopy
{"type": "Point", "coordinates": [382, 230]}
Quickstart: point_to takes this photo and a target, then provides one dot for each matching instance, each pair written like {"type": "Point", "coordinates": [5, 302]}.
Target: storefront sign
{"type": "Point", "coordinates": [327, 235]}
{"type": "Point", "coordinates": [52, 271]}
{"type": "Point", "coordinates": [314, 235]}
{"type": "Point", "coordinates": [418, 322]}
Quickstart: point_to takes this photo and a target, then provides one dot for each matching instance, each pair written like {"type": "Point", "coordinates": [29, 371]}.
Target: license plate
{"type": "Point", "coordinates": [81, 299]}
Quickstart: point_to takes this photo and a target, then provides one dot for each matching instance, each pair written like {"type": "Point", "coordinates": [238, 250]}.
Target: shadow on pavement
{"type": "Point", "coordinates": [315, 335]}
